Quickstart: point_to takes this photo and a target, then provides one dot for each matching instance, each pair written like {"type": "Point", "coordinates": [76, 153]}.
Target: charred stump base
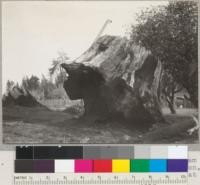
{"type": "Point", "coordinates": [110, 100]}
{"type": "Point", "coordinates": [123, 86]}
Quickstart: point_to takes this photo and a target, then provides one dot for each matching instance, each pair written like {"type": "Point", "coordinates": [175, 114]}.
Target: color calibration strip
{"type": "Point", "coordinates": [101, 159]}
{"type": "Point", "coordinates": [101, 166]}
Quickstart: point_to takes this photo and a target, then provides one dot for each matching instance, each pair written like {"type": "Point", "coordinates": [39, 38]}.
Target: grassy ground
{"type": "Point", "coordinates": [40, 125]}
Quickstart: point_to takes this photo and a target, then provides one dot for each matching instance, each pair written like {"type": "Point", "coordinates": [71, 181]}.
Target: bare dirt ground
{"type": "Point", "coordinates": [40, 125]}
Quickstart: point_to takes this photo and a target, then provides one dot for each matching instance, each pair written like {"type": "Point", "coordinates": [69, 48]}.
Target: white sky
{"type": "Point", "coordinates": [34, 32]}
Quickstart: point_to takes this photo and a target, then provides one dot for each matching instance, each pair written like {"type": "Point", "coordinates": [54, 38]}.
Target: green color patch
{"type": "Point", "coordinates": [139, 165]}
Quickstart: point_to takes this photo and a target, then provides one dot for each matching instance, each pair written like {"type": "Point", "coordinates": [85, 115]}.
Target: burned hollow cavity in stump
{"type": "Point", "coordinates": [120, 80]}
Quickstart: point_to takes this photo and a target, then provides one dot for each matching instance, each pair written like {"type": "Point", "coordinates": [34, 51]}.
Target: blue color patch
{"type": "Point", "coordinates": [158, 165]}
{"type": "Point", "coordinates": [177, 165]}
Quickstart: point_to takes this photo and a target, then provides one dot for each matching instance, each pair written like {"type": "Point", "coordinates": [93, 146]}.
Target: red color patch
{"type": "Point", "coordinates": [102, 165]}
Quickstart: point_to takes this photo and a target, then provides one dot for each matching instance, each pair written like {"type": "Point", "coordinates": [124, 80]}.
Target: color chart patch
{"type": "Point", "coordinates": [63, 166]}
{"type": "Point", "coordinates": [140, 165]}
{"type": "Point", "coordinates": [120, 165]}
{"type": "Point", "coordinates": [158, 165]}
{"type": "Point", "coordinates": [89, 159]}
{"type": "Point", "coordinates": [103, 166]}
{"type": "Point", "coordinates": [83, 166]}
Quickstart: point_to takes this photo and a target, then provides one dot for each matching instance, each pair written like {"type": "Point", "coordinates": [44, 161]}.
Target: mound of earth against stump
{"type": "Point", "coordinates": [116, 80]}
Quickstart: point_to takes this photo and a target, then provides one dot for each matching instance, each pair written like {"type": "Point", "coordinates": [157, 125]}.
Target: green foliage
{"type": "Point", "coordinates": [170, 33]}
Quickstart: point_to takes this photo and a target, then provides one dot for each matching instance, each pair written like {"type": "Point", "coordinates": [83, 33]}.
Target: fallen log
{"type": "Point", "coordinates": [116, 80]}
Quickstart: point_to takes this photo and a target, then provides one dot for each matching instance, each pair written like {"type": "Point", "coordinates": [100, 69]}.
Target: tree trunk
{"type": "Point", "coordinates": [170, 102]}
{"type": "Point", "coordinates": [117, 80]}
{"type": "Point", "coordinates": [193, 97]}
{"type": "Point", "coordinates": [171, 107]}
{"type": "Point", "coordinates": [191, 85]}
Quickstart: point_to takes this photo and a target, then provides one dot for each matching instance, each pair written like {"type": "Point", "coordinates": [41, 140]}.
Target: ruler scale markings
{"type": "Point", "coordinates": [132, 180]}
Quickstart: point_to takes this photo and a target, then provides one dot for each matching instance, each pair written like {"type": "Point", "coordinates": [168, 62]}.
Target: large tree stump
{"type": "Point", "coordinates": [116, 80]}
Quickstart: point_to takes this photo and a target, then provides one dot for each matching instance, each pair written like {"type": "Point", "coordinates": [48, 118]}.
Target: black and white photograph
{"type": "Point", "coordinates": [102, 72]}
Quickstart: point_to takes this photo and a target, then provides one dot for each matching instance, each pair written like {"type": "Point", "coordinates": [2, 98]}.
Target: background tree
{"type": "Point", "coordinates": [170, 33]}
{"type": "Point", "coordinates": [34, 82]}
{"type": "Point", "coordinates": [31, 83]}
{"type": "Point", "coordinates": [59, 79]}
{"type": "Point", "coordinates": [46, 87]}
{"type": "Point", "coordinates": [169, 88]}
{"type": "Point", "coordinates": [9, 85]}
{"type": "Point", "coordinates": [56, 69]}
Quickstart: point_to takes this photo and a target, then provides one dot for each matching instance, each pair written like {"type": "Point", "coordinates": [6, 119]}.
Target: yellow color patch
{"type": "Point", "coordinates": [120, 165]}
